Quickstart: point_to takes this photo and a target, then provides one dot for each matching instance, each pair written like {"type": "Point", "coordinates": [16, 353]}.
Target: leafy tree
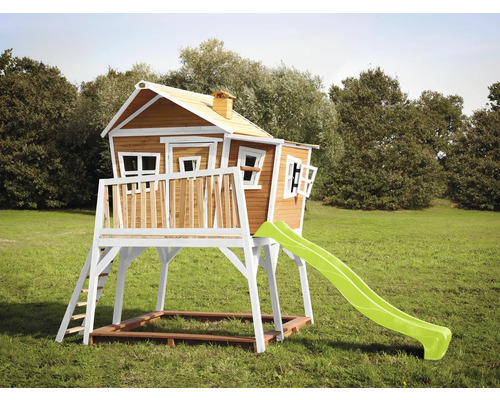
{"type": "Point", "coordinates": [35, 104]}
{"type": "Point", "coordinates": [494, 96]}
{"type": "Point", "coordinates": [97, 103]}
{"type": "Point", "coordinates": [386, 162]}
{"type": "Point", "coordinates": [287, 103]}
{"type": "Point", "coordinates": [443, 117]}
{"type": "Point", "coordinates": [474, 160]}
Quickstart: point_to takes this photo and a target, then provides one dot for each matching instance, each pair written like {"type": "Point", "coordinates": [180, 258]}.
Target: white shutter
{"type": "Point", "coordinates": [306, 180]}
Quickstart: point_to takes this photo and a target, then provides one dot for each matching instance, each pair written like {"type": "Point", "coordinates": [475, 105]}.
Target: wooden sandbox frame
{"type": "Point", "coordinates": [122, 332]}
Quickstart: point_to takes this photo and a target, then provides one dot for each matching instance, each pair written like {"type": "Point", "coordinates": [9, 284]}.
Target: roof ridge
{"type": "Point", "coordinates": [176, 89]}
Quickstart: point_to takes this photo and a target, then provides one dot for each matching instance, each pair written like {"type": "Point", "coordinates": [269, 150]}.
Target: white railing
{"type": "Point", "coordinates": [205, 202]}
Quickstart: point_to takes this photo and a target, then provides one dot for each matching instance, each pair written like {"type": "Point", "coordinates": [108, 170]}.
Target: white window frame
{"type": "Point", "coordinates": [305, 180]}
{"type": "Point", "coordinates": [196, 159]}
{"type": "Point", "coordinates": [260, 155]}
{"type": "Point", "coordinates": [290, 192]}
{"type": "Point", "coordinates": [139, 172]}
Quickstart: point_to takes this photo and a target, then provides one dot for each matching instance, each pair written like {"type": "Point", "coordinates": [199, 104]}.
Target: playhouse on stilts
{"type": "Point", "coordinates": [189, 171]}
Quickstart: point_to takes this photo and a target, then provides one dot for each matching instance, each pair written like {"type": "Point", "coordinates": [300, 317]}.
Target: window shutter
{"type": "Point", "coordinates": [306, 180]}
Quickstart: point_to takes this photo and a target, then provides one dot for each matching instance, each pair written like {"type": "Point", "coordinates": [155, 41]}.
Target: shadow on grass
{"type": "Point", "coordinates": [42, 320]}
{"type": "Point", "coordinates": [371, 348]}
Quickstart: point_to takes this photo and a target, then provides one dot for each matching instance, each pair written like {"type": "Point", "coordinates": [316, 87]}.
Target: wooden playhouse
{"type": "Point", "coordinates": [189, 171]}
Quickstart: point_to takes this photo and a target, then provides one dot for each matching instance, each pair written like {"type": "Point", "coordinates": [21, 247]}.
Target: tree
{"type": "Point", "coordinates": [35, 104]}
{"type": "Point", "coordinates": [386, 163]}
{"type": "Point", "coordinates": [474, 161]}
{"type": "Point", "coordinates": [89, 156]}
{"type": "Point", "coordinates": [287, 103]}
{"type": "Point", "coordinates": [443, 117]}
{"type": "Point", "coordinates": [494, 96]}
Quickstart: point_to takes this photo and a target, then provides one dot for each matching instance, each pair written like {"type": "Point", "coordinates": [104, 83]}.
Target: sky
{"type": "Point", "coordinates": [452, 53]}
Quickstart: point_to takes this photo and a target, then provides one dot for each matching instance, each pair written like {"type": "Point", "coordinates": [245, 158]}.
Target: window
{"type": "Point", "coordinates": [250, 162]}
{"type": "Point", "coordinates": [139, 164]}
{"type": "Point", "coordinates": [293, 168]}
{"type": "Point", "coordinates": [188, 164]}
{"type": "Point", "coordinates": [299, 178]}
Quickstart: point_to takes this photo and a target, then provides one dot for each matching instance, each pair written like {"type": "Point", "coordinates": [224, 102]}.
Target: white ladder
{"type": "Point", "coordinates": [75, 302]}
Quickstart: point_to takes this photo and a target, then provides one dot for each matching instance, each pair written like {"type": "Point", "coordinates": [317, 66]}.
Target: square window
{"type": "Point", "coordinates": [250, 162]}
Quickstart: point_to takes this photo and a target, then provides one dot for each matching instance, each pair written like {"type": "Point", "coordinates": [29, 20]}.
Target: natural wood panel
{"type": "Point", "coordinates": [290, 209]}
{"type": "Point", "coordinates": [257, 200]}
{"type": "Point", "coordinates": [163, 114]}
{"type": "Point", "coordinates": [141, 99]}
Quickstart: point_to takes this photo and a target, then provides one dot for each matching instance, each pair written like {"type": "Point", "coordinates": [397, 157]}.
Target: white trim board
{"type": "Point", "coordinates": [182, 130]}
{"type": "Point", "coordinates": [120, 112]}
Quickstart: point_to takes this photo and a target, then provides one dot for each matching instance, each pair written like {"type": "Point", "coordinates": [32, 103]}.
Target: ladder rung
{"type": "Point", "coordinates": [98, 288]}
{"type": "Point", "coordinates": [74, 329]}
{"type": "Point", "coordinates": [77, 316]}
{"type": "Point", "coordinates": [81, 304]}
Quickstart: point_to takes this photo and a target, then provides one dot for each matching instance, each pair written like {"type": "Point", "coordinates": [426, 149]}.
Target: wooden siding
{"type": "Point", "coordinates": [290, 209]}
{"type": "Point", "coordinates": [163, 113]}
{"type": "Point", "coordinates": [142, 98]}
{"type": "Point", "coordinates": [138, 144]}
{"type": "Point", "coordinates": [257, 200]}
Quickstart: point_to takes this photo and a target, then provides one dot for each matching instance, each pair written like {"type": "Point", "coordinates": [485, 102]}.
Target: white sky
{"type": "Point", "coordinates": [450, 53]}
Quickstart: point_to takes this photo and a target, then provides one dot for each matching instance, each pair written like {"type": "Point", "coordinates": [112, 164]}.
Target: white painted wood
{"type": "Point", "coordinates": [113, 158]}
{"type": "Point", "coordinates": [226, 147]}
{"type": "Point", "coordinates": [259, 155]}
{"type": "Point", "coordinates": [177, 131]}
{"type": "Point", "coordinates": [139, 111]}
{"type": "Point", "coordinates": [304, 202]}
{"type": "Point", "coordinates": [270, 262]}
{"type": "Point", "coordinates": [306, 181]}
{"type": "Point", "coordinates": [120, 285]}
{"type": "Point", "coordinates": [251, 261]}
{"type": "Point", "coordinates": [240, 265]}
{"type": "Point", "coordinates": [255, 139]}
{"type": "Point", "coordinates": [190, 139]}
{"type": "Point", "coordinates": [120, 112]}
{"type": "Point", "coordinates": [70, 309]}
{"type": "Point", "coordinates": [95, 269]}
{"type": "Point", "coordinates": [304, 283]}
{"type": "Point", "coordinates": [274, 183]}
{"type": "Point", "coordinates": [166, 256]}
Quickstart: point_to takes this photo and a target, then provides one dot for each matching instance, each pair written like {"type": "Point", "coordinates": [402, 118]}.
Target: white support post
{"type": "Point", "coordinates": [304, 283]}
{"type": "Point", "coordinates": [96, 267]}
{"type": "Point", "coordinates": [271, 252]}
{"type": "Point", "coordinates": [251, 261]}
{"type": "Point", "coordinates": [120, 285]}
{"type": "Point", "coordinates": [166, 256]}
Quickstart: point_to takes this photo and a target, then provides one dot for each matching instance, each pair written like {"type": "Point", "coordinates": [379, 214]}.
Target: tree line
{"type": "Point", "coordinates": [378, 148]}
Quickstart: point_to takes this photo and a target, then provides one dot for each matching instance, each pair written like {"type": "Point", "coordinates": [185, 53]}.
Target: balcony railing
{"type": "Point", "coordinates": [200, 203]}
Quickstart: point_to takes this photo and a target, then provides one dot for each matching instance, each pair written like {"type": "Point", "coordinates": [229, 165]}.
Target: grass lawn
{"type": "Point", "coordinates": [440, 265]}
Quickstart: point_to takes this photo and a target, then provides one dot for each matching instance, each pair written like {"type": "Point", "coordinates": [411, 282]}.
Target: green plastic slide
{"type": "Point", "coordinates": [434, 338]}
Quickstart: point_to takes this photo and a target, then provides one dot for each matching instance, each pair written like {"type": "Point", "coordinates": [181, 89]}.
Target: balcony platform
{"type": "Point", "coordinates": [123, 332]}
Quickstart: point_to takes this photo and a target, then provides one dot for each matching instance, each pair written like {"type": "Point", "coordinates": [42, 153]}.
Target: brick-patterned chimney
{"type": "Point", "coordinates": [223, 103]}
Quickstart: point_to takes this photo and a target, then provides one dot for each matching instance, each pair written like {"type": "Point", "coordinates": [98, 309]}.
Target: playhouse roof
{"type": "Point", "coordinates": [197, 103]}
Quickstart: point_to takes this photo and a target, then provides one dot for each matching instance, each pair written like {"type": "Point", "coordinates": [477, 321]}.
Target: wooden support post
{"type": "Point", "coordinates": [210, 214]}
{"type": "Point", "coordinates": [182, 205]}
{"type": "Point", "coordinates": [152, 204]}
{"type": "Point", "coordinates": [133, 206]}
{"type": "Point", "coordinates": [143, 205]}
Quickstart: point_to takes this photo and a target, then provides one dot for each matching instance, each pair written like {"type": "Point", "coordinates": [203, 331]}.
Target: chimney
{"type": "Point", "coordinates": [223, 104]}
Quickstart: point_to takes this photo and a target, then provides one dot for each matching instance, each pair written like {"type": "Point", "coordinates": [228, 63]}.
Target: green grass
{"type": "Point", "coordinates": [440, 265]}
